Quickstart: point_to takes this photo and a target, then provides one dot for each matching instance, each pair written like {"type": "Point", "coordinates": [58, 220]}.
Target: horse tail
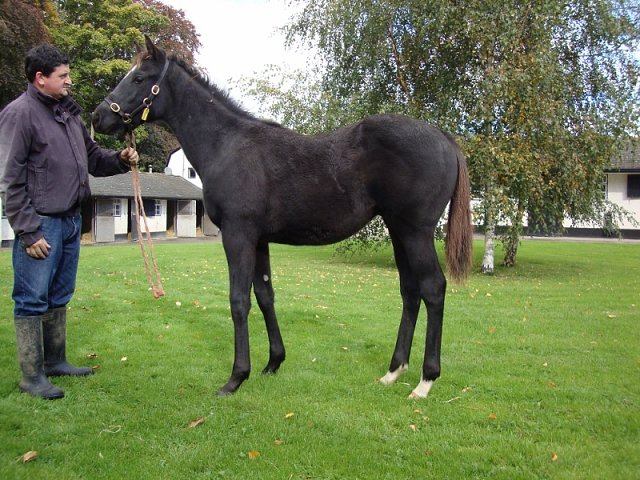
{"type": "Point", "coordinates": [459, 239]}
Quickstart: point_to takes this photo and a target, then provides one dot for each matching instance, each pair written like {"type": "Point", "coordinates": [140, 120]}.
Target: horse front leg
{"type": "Point", "coordinates": [241, 258]}
{"type": "Point", "coordinates": [263, 289]}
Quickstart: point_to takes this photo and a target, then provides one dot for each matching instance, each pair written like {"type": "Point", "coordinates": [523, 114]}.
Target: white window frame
{"type": "Point", "coordinates": [117, 207]}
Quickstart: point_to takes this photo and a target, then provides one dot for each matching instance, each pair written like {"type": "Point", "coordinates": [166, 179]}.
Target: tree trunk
{"type": "Point", "coordinates": [487, 257]}
{"type": "Point", "coordinates": [489, 233]}
{"type": "Point", "coordinates": [512, 238]}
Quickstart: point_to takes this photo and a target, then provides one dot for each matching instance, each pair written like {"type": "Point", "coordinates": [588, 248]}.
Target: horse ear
{"type": "Point", "coordinates": [153, 51]}
{"type": "Point", "coordinates": [149, 44]}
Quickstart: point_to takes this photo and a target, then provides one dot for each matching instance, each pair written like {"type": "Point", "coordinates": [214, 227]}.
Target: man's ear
{"type": "Point", "coordinates": [39, 79]}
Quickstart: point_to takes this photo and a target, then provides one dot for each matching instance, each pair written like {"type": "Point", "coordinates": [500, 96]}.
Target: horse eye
{"type": "Point", "coordinates": [137, 79]}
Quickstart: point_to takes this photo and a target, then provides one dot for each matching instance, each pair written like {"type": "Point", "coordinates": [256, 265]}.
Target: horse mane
{"type": "Point", "coordinates": [203, 80]}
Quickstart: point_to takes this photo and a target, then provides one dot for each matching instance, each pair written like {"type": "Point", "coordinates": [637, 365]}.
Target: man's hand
{"type": "Point", "coordinates": [130, 156]}
{"type": "Point", "coordinates": [40, 249]}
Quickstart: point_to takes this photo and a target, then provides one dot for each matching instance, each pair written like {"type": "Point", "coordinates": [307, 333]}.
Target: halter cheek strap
{"type": "Point", "coordinates": [145, 106]}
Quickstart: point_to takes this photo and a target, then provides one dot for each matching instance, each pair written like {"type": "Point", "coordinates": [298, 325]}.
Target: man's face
{"type": "Point", "coordinates": [57, 84]}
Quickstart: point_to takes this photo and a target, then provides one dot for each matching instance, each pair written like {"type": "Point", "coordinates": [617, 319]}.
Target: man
{"type": "Point", "coordinates": [46, 155]}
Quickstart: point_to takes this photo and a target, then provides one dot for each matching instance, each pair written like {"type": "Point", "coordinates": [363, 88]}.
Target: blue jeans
{"type": "Point", "coordinates": [40, 285]}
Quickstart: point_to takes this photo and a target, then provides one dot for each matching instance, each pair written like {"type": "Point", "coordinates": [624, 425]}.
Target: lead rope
{"type": "Point", "coordinates": [156, 287]}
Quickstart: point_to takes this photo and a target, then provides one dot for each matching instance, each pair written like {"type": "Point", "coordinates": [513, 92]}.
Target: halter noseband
{"type": "Point", "coordinates": [146, 102]}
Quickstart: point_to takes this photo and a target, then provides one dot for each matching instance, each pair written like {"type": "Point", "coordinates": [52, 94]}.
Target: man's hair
{"type": "Point", "coordinates": [43, 58]}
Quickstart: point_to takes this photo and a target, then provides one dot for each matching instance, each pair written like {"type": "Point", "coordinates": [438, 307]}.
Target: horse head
{"type": "Point", "coordinates": [137, 98]}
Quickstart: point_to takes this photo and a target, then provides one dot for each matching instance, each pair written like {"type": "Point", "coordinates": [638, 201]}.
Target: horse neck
{"type": "Point", "coordinates": [195, 114]}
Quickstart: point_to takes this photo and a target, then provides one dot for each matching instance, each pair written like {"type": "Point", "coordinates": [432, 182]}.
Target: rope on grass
{"type": "Point", "coordinates": [156, 285]}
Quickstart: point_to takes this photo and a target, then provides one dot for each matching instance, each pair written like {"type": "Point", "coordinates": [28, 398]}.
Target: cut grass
{"type": "Point", "coordinates": [540, 372]}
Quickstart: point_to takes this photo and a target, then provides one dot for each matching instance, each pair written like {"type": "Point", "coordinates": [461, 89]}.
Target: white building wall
{"type": "Point", "coordinates": [180, 166]}
{"type": "Point", "coordinates": [6, 232]}
{"type": "Point", "coordinates": [156, 223]}
{"type": "Point", "coordinates": [121, 222]}
{"type": "Point", "coordinates": [617, 193]}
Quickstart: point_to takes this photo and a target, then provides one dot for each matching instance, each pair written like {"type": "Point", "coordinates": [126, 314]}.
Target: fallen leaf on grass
{"type": "Point", "coordinates": [253, 455]}
{"type": "Point", "coordinates": [196, 422]}
{"type": "Point", "coordinates": [492, 416]}
{"type": "Point", "coordinates": [289, 415]}
{"type": "Point", "coordinates": [124, 359]}
{"type": "Point", "coordinates": [413, 427]}
{"type": "Point", "coordinates": [554, 457]}
{"type": "Point", "coordinates": [30, 455]}
{"type": "Point", "coordinates": [92, 355]}
{"type": "Point", "coordinates": [278, 443]}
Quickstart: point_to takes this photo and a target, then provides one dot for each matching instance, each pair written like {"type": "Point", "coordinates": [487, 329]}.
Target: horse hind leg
{"type": "Point", "coordinates": [432, 285]}
{"type": "Point", "coordinates": [410, 309]}
{"type": "Point", "coordinates": [263, 290]}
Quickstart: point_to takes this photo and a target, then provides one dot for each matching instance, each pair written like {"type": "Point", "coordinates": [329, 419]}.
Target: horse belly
{"type": "Point", "coordinates": [322, 224]}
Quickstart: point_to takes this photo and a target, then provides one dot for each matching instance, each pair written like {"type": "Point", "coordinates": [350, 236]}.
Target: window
{"type": "Point", "coordinates": [185, 208]}
{"type": "Point", "coordinates": [117, 208]}
{"type": "Point", "coordinates": [191, 173]}
{"type": "Point", "coordinates": [633, 186]}
{"type": "Point", "coordinates": [149, 207]}
{"type": "Point", "coordinates": [158, 208]}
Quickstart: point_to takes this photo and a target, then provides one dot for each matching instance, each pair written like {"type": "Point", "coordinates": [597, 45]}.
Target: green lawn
{"type": "Point", "coordinates": [541, 370]}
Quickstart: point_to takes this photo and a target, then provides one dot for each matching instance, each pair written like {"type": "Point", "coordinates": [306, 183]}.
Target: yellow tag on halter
{"type": "Point", "coordinates": [145, 114]}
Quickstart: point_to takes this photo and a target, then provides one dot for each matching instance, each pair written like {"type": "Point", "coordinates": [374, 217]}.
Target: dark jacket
{"type": "Point", "coordinates": [46, 155]}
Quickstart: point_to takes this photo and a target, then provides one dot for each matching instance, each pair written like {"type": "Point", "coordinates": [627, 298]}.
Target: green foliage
{"type": "Point", "coordinates": [538, 363]}
{"type": "Point", "coordinates": [101, 39]}
{"type": "Point", "coordinates": [21, 28]}
{"type": "Point", "coordinates": [541, 94]}
{"type": "Point", "coordinates": [372, 237]}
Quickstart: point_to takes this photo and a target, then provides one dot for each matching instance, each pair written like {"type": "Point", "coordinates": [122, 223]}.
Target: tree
{"type": "Point", "coordinates": [540, 92]}
{"type": "Point", "coordinates": [178, 36]}
{"type": "Point", "coordinates": [21, 28]}
{"type": "Point", "coordinates": [101, 37]}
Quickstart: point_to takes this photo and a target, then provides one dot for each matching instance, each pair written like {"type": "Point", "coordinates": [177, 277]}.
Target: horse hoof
{"type": "Point", "coordinates": [224, 393]}
{"type": "Point", "coordinates": [422, 390]}
{"type": "Point", "coordinates": [391, 377]}
{"type": "Point", "coordinates": [271, 369]}
{"type": "Point", "coordinates": [229, 389]}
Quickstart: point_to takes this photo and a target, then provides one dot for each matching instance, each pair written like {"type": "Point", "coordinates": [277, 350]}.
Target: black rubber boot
{"type": "Point", "coordinates": [31, 359]}
{"type": "Point", "coordinates": [54, 334]}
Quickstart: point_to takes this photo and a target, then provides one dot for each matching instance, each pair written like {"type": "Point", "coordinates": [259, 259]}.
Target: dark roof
{"type": "Point", "coordinates": [627, 161]}
{"type": "Point", "coordinates": [152, 185]}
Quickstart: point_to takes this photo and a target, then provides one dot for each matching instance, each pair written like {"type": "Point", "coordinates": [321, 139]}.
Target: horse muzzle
{"type": "Point", "coordinates": [104, 120]}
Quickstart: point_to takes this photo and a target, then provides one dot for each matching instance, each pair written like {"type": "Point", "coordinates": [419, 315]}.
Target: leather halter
{"type": "Point", "coordinates": [146, 102]}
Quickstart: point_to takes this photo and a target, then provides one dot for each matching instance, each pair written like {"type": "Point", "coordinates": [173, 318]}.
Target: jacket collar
{"type": "Point", "coordinates": [67, 104]}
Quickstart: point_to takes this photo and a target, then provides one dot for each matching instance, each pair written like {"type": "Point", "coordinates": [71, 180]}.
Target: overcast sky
{"type": "Point", "coordinates": [240, 38]}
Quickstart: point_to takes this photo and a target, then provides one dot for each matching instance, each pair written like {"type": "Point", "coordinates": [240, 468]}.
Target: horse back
{"type": "Point", "coordinates": [322, 189]}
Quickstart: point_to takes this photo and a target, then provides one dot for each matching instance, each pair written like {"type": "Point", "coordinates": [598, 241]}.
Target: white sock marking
{"type": "Point", "coordinates": [422, 390]}
{"type": "Point", "coordinates": [391, 377]}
